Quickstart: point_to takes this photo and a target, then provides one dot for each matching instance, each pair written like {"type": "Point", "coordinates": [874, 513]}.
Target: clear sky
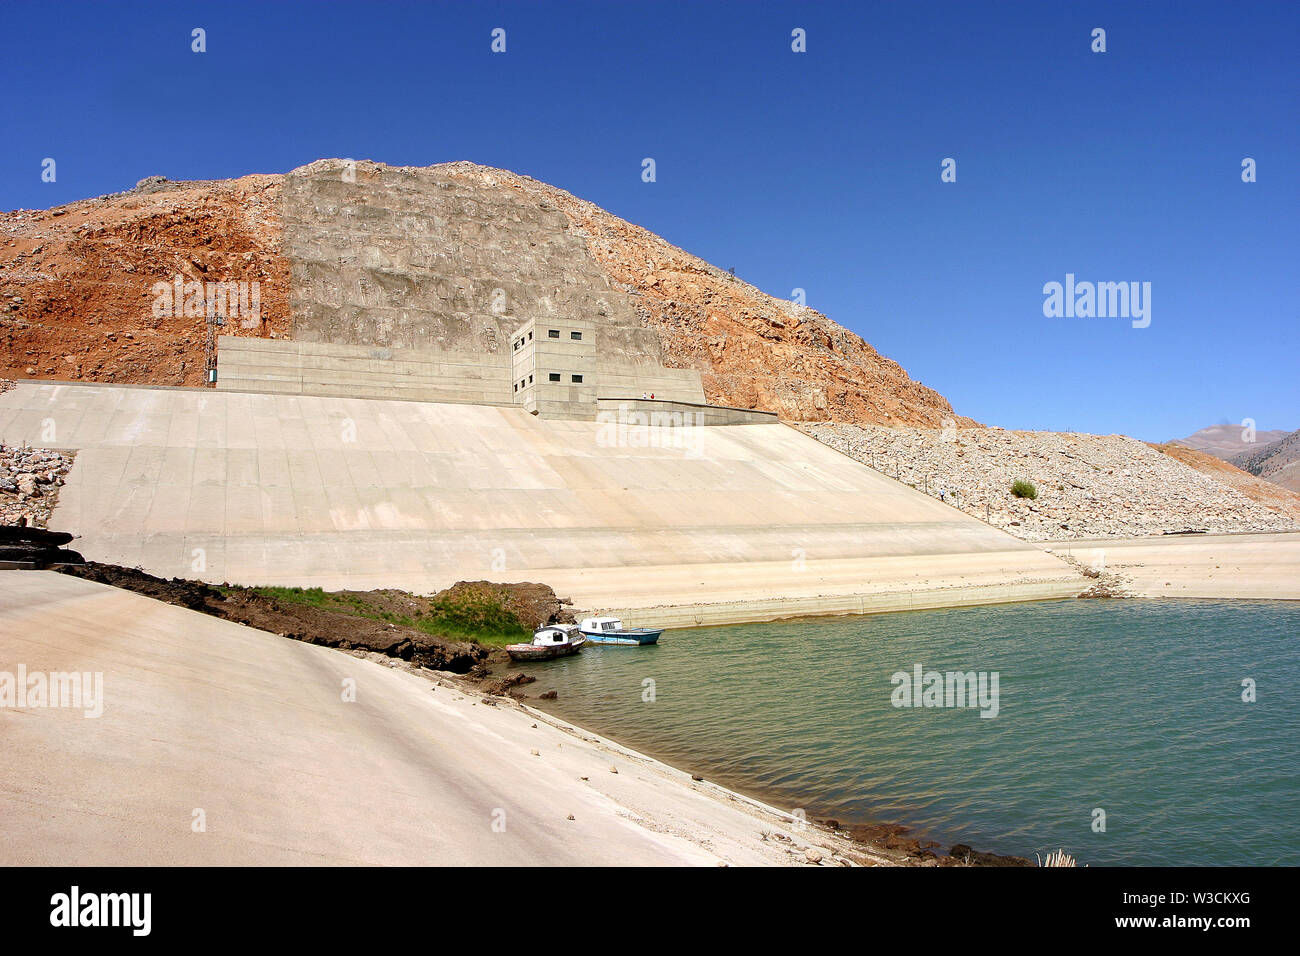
{"type": "Point", "coordinates": [817, 170]}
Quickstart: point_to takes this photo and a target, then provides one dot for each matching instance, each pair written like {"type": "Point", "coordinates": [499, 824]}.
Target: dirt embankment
{"type": "Point", "coordinates": [353, 621]}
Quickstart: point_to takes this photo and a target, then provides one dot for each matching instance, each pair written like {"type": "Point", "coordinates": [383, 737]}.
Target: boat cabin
{"type": "Point", "coordinates": [599, 625]}
{"type": "Point", "coordinates": [553, 635]}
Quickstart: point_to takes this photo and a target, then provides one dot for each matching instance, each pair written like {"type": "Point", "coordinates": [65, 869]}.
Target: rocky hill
{"type": "Point", "coordinates": [338, 239]}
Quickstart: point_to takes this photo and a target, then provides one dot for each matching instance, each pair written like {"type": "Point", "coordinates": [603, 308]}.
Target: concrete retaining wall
{"type": "Point", "coordinates": [310, 368]}
{"type": "Point", "coordinates": [618, 379]}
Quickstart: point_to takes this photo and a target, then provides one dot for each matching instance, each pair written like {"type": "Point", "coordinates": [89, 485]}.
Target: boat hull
{"type": "Point", "coordinates": [543, 652]}
{"type": "Point", "coordinates": [629, 636]}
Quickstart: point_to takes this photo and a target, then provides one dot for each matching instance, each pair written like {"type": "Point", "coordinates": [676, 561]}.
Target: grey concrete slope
{"type": "Point", "coordinates": [275, 489]}
{"type": "Point", "coordinates": [252, 729]}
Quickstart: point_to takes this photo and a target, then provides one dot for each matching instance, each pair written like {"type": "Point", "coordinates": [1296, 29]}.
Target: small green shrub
{"type": "Point", "coordinates": [1023, 489]}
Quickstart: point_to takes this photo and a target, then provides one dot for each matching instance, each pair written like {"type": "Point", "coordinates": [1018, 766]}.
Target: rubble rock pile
{"type": "Point", "coordinates": [1088, 486]}
{"type": "Point", "coordinates": [30, 479]}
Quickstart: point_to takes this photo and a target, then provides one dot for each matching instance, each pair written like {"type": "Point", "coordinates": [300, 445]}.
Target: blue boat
{"type": "Point", "coordinates": [610, 630]}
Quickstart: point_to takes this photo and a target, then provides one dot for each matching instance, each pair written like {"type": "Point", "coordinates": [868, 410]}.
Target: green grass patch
{"type": "Point", "coordinates": [480, 617]}
{"type": "Point", "coordinates": [476, 617]}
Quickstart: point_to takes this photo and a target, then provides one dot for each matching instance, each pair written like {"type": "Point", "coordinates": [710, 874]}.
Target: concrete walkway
{"type": "Point", "coordinates": [1199, 566]}
{"type": "Point", "coordinates": [251, 729]}
{"type": "Point", "coordinates": [267, 489]}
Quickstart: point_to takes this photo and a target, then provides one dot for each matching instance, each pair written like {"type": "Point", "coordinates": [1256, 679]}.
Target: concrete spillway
{"type": "Point", "coordinates": [717, 523]}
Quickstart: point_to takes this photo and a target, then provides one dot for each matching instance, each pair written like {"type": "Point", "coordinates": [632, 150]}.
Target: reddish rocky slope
{"type": "Point", "coordinates": [76, 281]}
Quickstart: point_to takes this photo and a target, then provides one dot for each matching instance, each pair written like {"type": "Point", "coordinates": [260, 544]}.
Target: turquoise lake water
{"type": "Point", "coordinates": [1134, 707]}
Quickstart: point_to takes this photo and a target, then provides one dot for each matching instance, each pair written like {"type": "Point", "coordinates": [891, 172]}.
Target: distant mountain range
{"type": "Point", "coordinates": [1225, 441]}
{"type": "Point", "coordinates": [1278, 461]}
{"type": "Point", "coordinates": [1273, 456]}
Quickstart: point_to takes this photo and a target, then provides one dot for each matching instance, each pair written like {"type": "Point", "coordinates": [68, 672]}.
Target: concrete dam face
{"type": "Point", "coordinates": [667, 522]}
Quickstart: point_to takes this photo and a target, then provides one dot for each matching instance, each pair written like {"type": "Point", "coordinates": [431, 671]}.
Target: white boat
{"type": "Point", "coordinates": [610, 630]}
{"type": "Point", "coordinates": [555, 640]}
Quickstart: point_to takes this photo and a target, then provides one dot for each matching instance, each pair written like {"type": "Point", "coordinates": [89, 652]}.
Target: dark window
{"type": "Point", "coordinates": [530, 336]}
{"type": "Point", "coordinates": [553, 334]}
{"type": "Point", "coordinates": [530, 380]}
{"type": "Point", "coordinates": [576, 336]}
{"type": "Point", "coordinates": [555, 376]}
{"type": "Point", "coordinates": [577, 378]}
{"type": "Point", "coordinates": [516, 388]}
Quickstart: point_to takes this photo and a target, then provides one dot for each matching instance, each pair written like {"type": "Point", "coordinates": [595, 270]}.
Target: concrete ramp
{"type": "Point", "coordinates": [216, 744]}
{"type": "Point", "coordinates": [718, 523]}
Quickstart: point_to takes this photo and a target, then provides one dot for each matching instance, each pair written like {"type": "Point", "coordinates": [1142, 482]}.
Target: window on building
{"type": "Point", "coordinates": [577, 379]}
{"type": "Point", "coordinates": [576, 336]}
{"type": "Point", "coordinates": [516, 388]}
{"type": "Point", "coordinates": [555, 376]}
{"type": "Point", "coordinates": [530, 380]}
{"type": "Point", "coordinates": [530, 336]}
{"type": "Point", "coordinates": [553, 334]}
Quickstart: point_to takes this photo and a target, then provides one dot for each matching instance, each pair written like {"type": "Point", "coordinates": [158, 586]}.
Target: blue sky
{"type": "Point", "coordinates": [818, 170]}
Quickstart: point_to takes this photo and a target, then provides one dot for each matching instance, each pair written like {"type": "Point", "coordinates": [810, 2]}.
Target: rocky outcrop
{"type": "Point", "coordinates": [752, 350]}
{"type": "Point", "coordinates": [447, 256]}
{"type": "Point", "coordinates": [1087, 486]}
{"type": "Point", "coordinates": [36, 548]}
